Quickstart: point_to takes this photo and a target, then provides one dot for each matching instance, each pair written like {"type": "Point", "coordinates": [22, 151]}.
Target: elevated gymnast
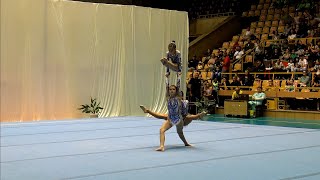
{"type": "Point", "coordinates": [173, 59]}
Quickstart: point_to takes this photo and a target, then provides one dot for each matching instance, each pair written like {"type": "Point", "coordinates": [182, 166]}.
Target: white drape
{"type": "Point", "coordinates": [55, 55]}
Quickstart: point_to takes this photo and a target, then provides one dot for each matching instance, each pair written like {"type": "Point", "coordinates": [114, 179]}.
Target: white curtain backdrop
{"type": "Point", "coordinates": [55, 55]}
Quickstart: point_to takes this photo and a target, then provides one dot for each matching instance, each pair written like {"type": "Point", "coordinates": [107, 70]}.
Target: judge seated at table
{"type": "Point", "coordinates": [257, 99]}
{"type": "Point", "coordinates": [236, 93]}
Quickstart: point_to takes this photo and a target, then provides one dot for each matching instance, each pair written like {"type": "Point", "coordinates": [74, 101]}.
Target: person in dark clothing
{"type": "Point", "coordinates": [195, 88]}
{"type": "Point", "coordinates": [260, 67]}
{"type": "Point", "coordinates": [235, 81]}
{"type": "Point", "coordinates": [247, 79]}
{"type": "Point", "coordinates": [193, 63]}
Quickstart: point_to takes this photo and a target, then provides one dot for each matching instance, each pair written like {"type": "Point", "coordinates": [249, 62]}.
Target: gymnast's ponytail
{"type": "Point", "coordinates": [173, 44]}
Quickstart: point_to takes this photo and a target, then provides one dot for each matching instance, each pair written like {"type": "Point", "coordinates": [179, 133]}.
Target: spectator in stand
{"type": "Point", "coordinates": [310, 34]}
{"type": "Point", "coordinates": [257, 47]}
{"type": "Point", "coordinates": [287, 30]}
{"type": "Point", "coordinates": [249, 46]}
{"type": "Point", "coordinates": [220, 55]}
{"type": "Point", "coordinates": [215, 85]}
{"type": "Point", "coordinates": [292, 34]}
{"type": "Point", "coordinates": [304, 80]}
{"type": "Point", "coordinates": [275, 35]}
{"type": "Point", "coordinates": [289, 86]}
{"type": "Point", "coordinates": [316, 80]}
{"type": "Point", "coordinates": [276, 54]}
{"type": "Point", "coordinates": [314, 23]}
{"type": "Point", "coordinates": [316, 66]}
{"type": "Point", "coordinates": [260, 67]}
{"type": "Point", "coordinates": [247, 35]}
{"type": "Point", "coordinates": [293, 55]}
{"type": "Point", "coordinates": [235, 81]}
{"type": "Point", "coordinates": [278, 65]}
{"type": "Point", "coordinates": [258, 53]}
{"type": "Point", "coordinates": [235, 45]}
{"type": "Point", "coordinates": [200, 66]}
{"type": "Point", "coordinates": [195, 87]}
{"type": "Point", "coordinates": [285, 45]}
{"type": "Point", "coordinates": [224, 84]}
{"type": "Point", "coordinates": [303, 62]}
{"type": "Point", "coordinates": [266, 56]}
{"type": "Point", "coordinates": [317, 32]}
{"type": "Point", "coordinates": [247, 79]}
{"type": "Point", "coordinates": [303, 30]}
{"type": "Point", "coordinates": [226, 63]}
{"type": "Point", "coordinates": [231, 53]}
{"type": "Point", "coordinates": [297, 67]}
{"type": "Point", "coordinates": [207, 59]}
{"type": "Point", "coordinates": [217, 73]}
{"type": "Point", "coordinates": [208, 53]}
{"type": "Point", "coordinates": [287, 54]}
{"type": "Point", "coordinates": [313, 51]}
{"type": "Point", "coordinates": [238, 54]}
{"type": "Point", "coordinates": [193, 62]}
{"type": "Point", "coordinates": [207, 90]}
{"type": "Point", "coordinates": [212, 60]}
{"type": "Point", "coordinates": [290, 67]}
{"type": "Point", "coordinates": [270, 86]}
{"type": "Point", "coordinates": [299, 46]}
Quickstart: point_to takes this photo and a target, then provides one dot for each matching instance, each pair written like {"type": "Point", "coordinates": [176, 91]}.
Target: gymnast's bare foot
{"type": "Point", "coordinates": [161, 148]}
{"type": "Point", "coordinates": [144, 109]}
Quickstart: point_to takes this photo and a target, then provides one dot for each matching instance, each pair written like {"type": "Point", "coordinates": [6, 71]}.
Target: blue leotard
{"type": "Point", "coordinates": [176, 59]}
{"type": "Point", "coordinates": [185, 108]}
{"type": "Point", "coordinates": [175, 106]}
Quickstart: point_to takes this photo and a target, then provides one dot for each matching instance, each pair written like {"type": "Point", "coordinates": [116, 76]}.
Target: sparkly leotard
{"type": "Point", "coordinates": [174, 108]}
{"type": "Point", "coordinates": [174, 105]}
{"type": "Point", "coordinates": [185, 107]}
{"type": "Point", "coordinates": [176, 59]}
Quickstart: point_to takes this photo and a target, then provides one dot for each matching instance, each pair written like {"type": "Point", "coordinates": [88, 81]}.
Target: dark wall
{"type": "Point", "coordinates": [162, 4]}
{"type": "Point", "coordinates": [125, 2]}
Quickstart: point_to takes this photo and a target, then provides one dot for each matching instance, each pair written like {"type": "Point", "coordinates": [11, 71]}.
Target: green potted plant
{"type": "Point", "coordinates": [93, 109]}
{"type": "Point", "coordinates": [204, 104]}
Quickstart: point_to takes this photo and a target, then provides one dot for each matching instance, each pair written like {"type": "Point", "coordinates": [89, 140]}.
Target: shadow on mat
{"type": "Point", "coordinates": [178, 147]}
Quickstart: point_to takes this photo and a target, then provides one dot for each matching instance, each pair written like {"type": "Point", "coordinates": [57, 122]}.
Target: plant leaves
{"type": "Point", "coordinates": [92, 108]}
